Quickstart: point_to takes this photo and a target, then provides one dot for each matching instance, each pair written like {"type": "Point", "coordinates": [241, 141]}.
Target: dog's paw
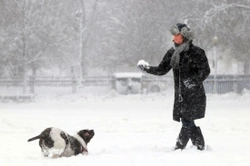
{"type": "Point", "coordinates": [55, 156]}
{"type": "Point", "coordinates": [85, 153]}
{"type": "Point", "coordinates": [55, 153]}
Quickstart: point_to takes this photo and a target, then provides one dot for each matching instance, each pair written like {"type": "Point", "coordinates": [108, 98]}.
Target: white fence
{"type": "Point", "coordinates": [222, 84]}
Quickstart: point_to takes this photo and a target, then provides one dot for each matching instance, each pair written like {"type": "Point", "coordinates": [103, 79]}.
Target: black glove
{"type": "Point", "coordinates": [143, 65]}
{"type": "Point", "coordinates": [189, 83]}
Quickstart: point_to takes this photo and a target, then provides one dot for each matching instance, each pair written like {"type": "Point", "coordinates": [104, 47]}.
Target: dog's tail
{"type": "Point", "coordinates": [34, 138]}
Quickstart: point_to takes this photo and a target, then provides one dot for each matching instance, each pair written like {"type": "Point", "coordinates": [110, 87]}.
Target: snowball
{"type": "Point", "coordinates": [143, 63]}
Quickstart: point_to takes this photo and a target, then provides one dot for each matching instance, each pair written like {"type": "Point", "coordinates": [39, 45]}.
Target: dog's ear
{"type": "Point", "coordinates": [86, 135]}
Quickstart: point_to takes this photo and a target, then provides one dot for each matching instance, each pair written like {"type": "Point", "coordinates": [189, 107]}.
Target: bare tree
{"type": "Point", "coordinates": [231, 24]}
{"type": "Point", "coordinates": [42, 32]}
{"type": "Point", "coordinates": [111, 35]}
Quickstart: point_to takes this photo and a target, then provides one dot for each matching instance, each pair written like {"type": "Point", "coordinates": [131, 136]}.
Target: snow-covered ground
{"type": "Point", "coordinates": [131, 130]}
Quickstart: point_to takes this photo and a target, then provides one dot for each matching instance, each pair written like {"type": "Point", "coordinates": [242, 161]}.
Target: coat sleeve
{"type": "Point", "coordinates": [164, 67]}
{"type": "Point", "coordinates": [203, 68]}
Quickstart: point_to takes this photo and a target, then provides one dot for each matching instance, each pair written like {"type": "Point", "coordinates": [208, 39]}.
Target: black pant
{"type": "Point", "coordinates": [187, 123]}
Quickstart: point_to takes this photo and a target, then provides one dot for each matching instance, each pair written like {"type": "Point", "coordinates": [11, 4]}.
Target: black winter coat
{"type": "Point", "coordinates": [189, 103]}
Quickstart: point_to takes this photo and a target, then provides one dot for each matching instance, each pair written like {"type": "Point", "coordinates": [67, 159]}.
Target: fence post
{"type": "Point", "coordinates": [32, 84]}
{"type": "Point", "coordinates": [235, 86]}
{"type": "Point", "coordinates": [74, 85]}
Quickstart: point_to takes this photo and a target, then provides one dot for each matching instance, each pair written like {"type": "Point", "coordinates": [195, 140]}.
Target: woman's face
{"type": "Point", "coordinates": [178, 39]}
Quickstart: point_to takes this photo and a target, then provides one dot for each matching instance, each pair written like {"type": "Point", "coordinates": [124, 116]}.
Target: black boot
{"type": "Point", "coordinates": [182, 139]}
{"type": "Point", "coordinates": [197, 138]}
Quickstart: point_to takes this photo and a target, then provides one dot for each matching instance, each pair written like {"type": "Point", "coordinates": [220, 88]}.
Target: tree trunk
{"type": "Point", "coordinates": [24, 49]}
{"type": "Point", "coordinates": [84, 36]}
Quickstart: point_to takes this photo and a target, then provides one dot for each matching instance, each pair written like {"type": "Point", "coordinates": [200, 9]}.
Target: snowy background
{"type": "Point", "coordinates": [90, 37]}
{"type": "Point", "coordinates": [131, 130]}
{"type": "Point", "coordinates": [58, 39]}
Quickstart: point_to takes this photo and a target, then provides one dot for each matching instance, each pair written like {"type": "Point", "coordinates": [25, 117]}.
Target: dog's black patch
{"type": "Point", "coordinates": [86, 135]}
{"type": "Point", "coordinates": [75, 145]}
{"type": "Point", "coordinates": [45, 138]}
{"type": "Point", "coordinates": [64, 136]}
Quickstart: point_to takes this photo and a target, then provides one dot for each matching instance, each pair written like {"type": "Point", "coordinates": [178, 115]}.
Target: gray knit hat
{"type": "Point", "coordinates": [182, 29]}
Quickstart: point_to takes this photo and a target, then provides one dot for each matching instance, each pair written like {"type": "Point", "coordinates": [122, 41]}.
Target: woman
{"type": "Point", "coordinates": [190, 68]}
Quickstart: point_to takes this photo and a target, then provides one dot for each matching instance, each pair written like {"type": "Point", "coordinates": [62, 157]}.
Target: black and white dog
{"type": "Point", "coordinates": [56, 143]}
